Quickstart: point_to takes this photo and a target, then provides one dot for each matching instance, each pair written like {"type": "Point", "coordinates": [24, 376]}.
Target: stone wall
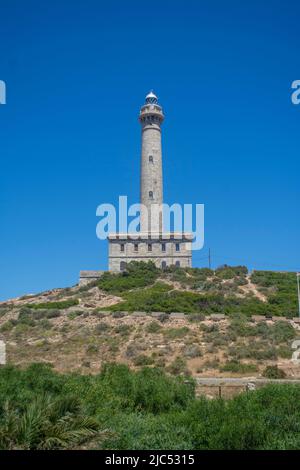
{"type": "Point", "coordinates": [138, 250]}
{"type": "Point", "coordinates": [2, 353]}
{"type": "Point", "coordinates": [85, 277]}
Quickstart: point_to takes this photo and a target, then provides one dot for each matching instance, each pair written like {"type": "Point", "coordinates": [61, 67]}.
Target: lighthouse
{"type": "Point", "coordinates": [151, 184]}
{"type": "Point", "coordinates": [153, 243]}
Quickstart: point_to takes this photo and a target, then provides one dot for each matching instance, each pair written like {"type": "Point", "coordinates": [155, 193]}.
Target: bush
{"type": "Point", "coordinates": [123, 330]}
{"type": "Point", "coordinates": [54, 305]}
{"type": "Point", "coordinates": [92, 348]}
{"type": "Point", "coordinates": [192, 350]}
{"type": "Point", "coordinates": [178, 366]}
{"type": "Point", "coordinates": [102, 327]}
{"type": "Point", "coordinates": [283, 332]}
{"type": "Point", "coordinates": [137, 274]}
{"type": "Point", "coordinates": [7, 326]}
{"type": "Point", "coordinates": [238, 367]}
{"type": "Point", "coordinates": [173, 333]}
{"type": "Point", "coordinates": [75, 314]}
{"type": "Point", "coordinates": [153, 327]}
{"type": "Point", "coordinates": [281, 290]}
{"type": "Point", "coordinates": [142, 360]}
{"type": "Point", "coordinates": [273, 372]}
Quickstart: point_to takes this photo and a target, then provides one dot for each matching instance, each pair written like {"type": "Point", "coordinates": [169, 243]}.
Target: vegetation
{"type": "Point", "coordinates": [238, 367]}
{"type": "Point", "coordinates": [137, 275]}
{"type": "Point", "coordinates": [55, 305]}
{"type": "Point", "coordinates": [273, 372]}
{"type": "Point", "coordinates": [281, 290]}
{"type": "Point", "coordinates": [122, 409]}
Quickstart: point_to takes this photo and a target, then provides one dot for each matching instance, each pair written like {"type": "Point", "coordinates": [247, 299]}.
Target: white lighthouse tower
{"type": "Point", "coordinates": [152, 244]}
{"type": "Point", "coordinates": [151, 118]}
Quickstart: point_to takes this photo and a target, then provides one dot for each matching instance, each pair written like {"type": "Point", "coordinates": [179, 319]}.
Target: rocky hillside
{"type": "Point", "coordinates": [81, 327]}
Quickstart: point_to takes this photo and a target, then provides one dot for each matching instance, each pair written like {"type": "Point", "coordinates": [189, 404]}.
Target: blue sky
{"type": "Point", "coordinates": [77, 73]}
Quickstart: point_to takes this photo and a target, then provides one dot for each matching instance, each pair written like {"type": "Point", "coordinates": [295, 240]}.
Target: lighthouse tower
{"type": "Point", "coordinates": [151, 118]}
{"type": "Point", "coordinates": [152, 244]}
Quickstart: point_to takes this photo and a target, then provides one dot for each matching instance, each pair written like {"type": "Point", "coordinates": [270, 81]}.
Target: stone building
{"type": "Point", "coordinates": [152, 244]}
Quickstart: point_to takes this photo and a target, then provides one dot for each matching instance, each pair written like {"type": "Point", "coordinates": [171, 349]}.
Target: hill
{"type": "Point", "coordinates": [82, 327]}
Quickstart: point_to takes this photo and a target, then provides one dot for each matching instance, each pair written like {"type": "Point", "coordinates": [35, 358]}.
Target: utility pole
{"type": "Point", "coordinates": [298, 276]}
{"type": "Point", "coordinates": [209, 262]}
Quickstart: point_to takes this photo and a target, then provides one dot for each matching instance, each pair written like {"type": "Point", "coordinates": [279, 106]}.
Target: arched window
{"type": "Point", "coordinates": [151, 194]}
{"type": "Point", "coordinates": [177, 264]}
{"type": "Point", "coordinates": [163, 264]}
{"type": "Point", "coordinates": [122, 266]}
{"type": "Point", "coordinates": [150, 158]}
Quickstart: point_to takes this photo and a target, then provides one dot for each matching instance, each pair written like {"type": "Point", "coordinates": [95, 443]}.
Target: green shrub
{"type": "Point", "coordinates": [238, 367]}
{"type": "Point", "coordinates": [281, 290]}
{"type": "Point", "coordinates": [283, 332]}
{"type": "Point", "coordinates": [211, 364]}
{"type": "Point", "coordinates": [209, 328]}
{"type": "Point", "coordinates": [102, 327]}
{"type": "Point", "coordinates": [123, 330]}
{"type": "Point", "coordinates": [173, 333]}
{"type": "Point", "coordinates": [178, 366]}
{"type": "Point", "coordinates": [284, 352]}
{"type": "Point", "coordinates": [92, 348]}
{"type": "Point", "coordinates": [7, 326]}
{"type": "Point", "coordinates": [192, 350]}
{"type": "Point", "coordinates": [137, 275]}
{"type": "Point", "coordinates": [54, 305]}
{"type": "Point", "coordinates": [143, 360]}
{"type": "Point", "coordinates": [273, 372]}
{"type": "Point", "coordinates": [75, 314]}
{"type": "Point", "coordinates": [153, 327]}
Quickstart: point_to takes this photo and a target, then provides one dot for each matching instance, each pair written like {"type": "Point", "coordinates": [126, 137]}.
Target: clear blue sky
{"type": "Point", "coordinates": [77, 73]}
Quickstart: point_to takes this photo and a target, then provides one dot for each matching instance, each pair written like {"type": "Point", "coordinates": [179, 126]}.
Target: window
{"type": "Point", "coordinates": [151, 194]}
{"type": "Point", "coordinates": [177, 264]}
{"type": "Point", "coordinates": [136, 247]}
{"type": "Point", "coordinates": [150, 159]}
{"type": "Point", "coordinates": [149, 247]}
{"type": "Point", "coordinates": [122, 266]}
{"type": "Point", "coordinates": [177, 247]}
{"type": "Point", "coordinates": [122, 247]}
{"type": "Point", "coordinates": [163, 247]}
{"type": "Point", "coordinates": [163, 264]}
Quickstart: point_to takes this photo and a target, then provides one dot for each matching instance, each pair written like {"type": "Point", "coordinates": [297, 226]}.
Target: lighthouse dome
{"type": "Point", "coordinates": [151, 98]}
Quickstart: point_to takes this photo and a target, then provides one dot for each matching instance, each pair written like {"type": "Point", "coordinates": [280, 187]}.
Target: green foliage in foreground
{"type": "Point", "coordinates": [55, 305]}
{"type": "Point", "coordinates": [122, 409]}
